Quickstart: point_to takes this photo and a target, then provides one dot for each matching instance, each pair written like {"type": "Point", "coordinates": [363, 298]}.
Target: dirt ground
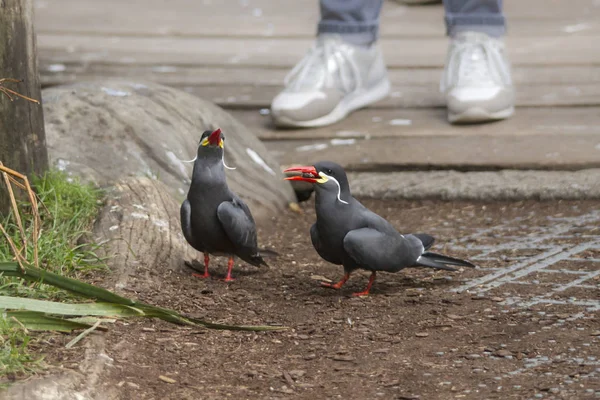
{"type": "Point", "coordinates": [524, 326]}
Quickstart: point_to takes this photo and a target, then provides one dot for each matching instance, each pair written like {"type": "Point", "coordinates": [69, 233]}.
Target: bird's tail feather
{"type": "Point", "coordinates": [426, 240]}
{"type": "Point", "coordinates": [258, 261]}
{"type": "Point", "coordinates": [268, 253]}
{"type": "Point", "coordinates": [427, 262]}
{"type": "Point", "coordinates": [440, 258]}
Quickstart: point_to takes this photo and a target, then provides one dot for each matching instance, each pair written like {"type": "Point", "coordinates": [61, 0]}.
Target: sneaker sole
{"type": "Point", "coordinates": [418, 2]}
{"type": "Point", "coordinates": [348, 104]}
{"type": "Point", "coordinates": [476, 114]}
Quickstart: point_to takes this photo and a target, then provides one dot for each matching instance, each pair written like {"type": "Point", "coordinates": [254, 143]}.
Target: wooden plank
{"type": "Point", "coordinates": [252, 96]}
{"type": "Point", "coordinates": [561, 138]}
{"type": "Point", "coordinates": [266, 18]}
{"type": "Point", "coordinates": [548, 151]}
{"type": "Point", "coordinates": [569, 122]}
{"type": "Point", "coordinates": [268, 76]}
{"type": "Point", "coordinates": [219, 52]}
{"type": "Point", "coordinates": [256, 87]}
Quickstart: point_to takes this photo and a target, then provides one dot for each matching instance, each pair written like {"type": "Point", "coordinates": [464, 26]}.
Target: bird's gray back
{"type": "Point", "coordinates": [204, 199]}
{"type": "Point", "coordinates": [356, 237]}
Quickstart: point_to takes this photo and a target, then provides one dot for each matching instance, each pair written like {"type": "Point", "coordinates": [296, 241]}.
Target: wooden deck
{"type": "Point", "coordinates": [236, 53]}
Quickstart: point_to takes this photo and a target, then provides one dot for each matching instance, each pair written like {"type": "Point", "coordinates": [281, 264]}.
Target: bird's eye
{"type": "Point", "coordinates": [329, 172]}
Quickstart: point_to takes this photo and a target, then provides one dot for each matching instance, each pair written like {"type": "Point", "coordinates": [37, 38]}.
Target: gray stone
{"type": "Point", "coordinates": [501, 185]}
{"type": "Point", "coordinates": [141, 233]}
{"type": "Point", "coordinates": [105, 131]}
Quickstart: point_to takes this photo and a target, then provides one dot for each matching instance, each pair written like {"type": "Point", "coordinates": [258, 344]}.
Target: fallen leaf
{"type": "Point", "coordinates": [383, 350]}
{"type": "Point", "coordinates": [166, 379]}
{"type": "Point", "coordinates": [343, 358]}
{"type": "Point", "coordinates": [320, 278]}
{"type": "Point", "coordinates": [295, 208]}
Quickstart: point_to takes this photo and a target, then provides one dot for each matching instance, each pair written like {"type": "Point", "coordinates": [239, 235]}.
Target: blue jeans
{"type": "Point", "coordinates": [358, 20]}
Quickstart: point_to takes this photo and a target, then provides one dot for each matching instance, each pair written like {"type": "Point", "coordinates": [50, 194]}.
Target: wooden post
{"type": "Point", "coordinates": [22, 136]}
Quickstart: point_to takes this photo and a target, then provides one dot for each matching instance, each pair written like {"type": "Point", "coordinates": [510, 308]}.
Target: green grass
{"type": "Point", "coordinates": [73, 207]}
{"type": "Point", "coordinates": [15, 356]}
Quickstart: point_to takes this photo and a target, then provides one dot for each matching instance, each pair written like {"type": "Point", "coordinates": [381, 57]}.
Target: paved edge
{"type": "Point", "coordinates": [500, 185]}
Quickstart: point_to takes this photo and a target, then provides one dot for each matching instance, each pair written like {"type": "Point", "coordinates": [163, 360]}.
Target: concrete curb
{"type": "Point", "coordinates": [500, 185]}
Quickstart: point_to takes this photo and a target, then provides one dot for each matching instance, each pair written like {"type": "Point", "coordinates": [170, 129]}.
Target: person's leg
{"type": "Point", "coordinates": [344, 71]}
{"type": "Point", "coordinates": [356, 20]}
{"type": "Point", "coordinates": [477, 80]}
{"type": "Point", "coordinates": [475, 16]}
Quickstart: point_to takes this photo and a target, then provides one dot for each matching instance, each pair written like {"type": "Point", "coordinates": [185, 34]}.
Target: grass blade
{"type": "Point", "coordinates": [82, 335]}
{"type": "Point", "coordinates": [34, 274]}
{"type": "Point", "coordinates": [37, 321]}
{"type": "Point", "coordinates": [84, 289]}
{"type": "Point", "coordinates": [82, 309]}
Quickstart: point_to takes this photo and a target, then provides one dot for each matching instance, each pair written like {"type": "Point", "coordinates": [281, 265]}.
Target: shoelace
{"type": "Point", "coordinates": [319, 57]}
{"type": "Point", "coordinates": [478, 62]}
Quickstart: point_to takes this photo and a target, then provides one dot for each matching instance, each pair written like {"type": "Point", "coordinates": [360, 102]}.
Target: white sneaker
{"type": "Point", "coordinates": [332, 80]}
{"type": "Point", "coordinates": [418, 2]}
{"type": "Point", "coordinates": [476, 81]}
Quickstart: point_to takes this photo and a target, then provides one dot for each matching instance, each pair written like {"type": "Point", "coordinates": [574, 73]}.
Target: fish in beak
{"type": "Point", "coordinates": [305, 174]}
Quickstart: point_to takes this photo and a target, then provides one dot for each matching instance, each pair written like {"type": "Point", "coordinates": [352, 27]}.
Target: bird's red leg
{"type": "Point", "coordinates": [366, 291]}
{"type": "Point", "coordinates": [336, 285]}
{"type": "Point", "coordinates": [206, 261]}
{"type": "Point", "coordinates": [228, 278]}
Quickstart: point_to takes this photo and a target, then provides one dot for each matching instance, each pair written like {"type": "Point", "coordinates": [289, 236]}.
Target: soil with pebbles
{"type": "Point", "coordinates": [412, 338]}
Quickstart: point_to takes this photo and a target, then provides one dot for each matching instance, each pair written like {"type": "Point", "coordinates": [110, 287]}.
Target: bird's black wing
{"type": "Point", "coordinates": [426, 239]}
{"type": "Point", "coordinates": [238, 224]}
{"type": "Point", "coordinates": [324, 252]}
{"type": "Point", "coordinates": [185, 215]}
{"type": "Point", "coordinates": [378, 251]}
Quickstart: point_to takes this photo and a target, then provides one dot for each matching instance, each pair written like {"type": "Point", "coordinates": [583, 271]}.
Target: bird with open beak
{"type": "Point", "coordinates": [215, 220]}
{"type": "Point", "coordinates": [349, 234]}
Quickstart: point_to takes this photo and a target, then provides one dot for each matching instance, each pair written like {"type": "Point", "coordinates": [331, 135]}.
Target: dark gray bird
{"type": "Point", "coordinates": [349, 234]}
{"type": "Point", "coordinates": [215, 220]}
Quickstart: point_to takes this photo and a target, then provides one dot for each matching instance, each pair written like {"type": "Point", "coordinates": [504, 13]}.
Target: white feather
{"type": "Point", "coordinates": [339, 188]}
{"type": "Point", "coordinates": [223, 159]}
{"type": "Point", "coordinates": [188, 161]}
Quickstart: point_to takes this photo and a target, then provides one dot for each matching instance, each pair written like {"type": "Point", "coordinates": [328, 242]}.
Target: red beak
{"type": "Point", "coordinates": [215, 138]}
{"type": "Point", "coordinates": [307, 174]}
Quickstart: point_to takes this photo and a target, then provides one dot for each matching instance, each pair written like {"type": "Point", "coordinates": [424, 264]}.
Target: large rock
{"type": "Point", "coordinates": [141, 233]}
{"type": "Point", "coordinates": [105, 131]}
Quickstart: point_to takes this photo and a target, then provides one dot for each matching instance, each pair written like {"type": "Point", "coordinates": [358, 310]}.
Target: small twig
{"type": "Point", "coordinates": [22, 326]}
{"type": "Point", "coordinates": [36, 221]}
{"type": "Point", "coordinates": [15, 209]}
{"type": "Point", "coordinates": [8, 91]}
{"type": "Point", "coordinates": [14, 181]}
{"type": "Point", "coordinates": [2, 80]}
{"type": "Point", "coordinates": [83, 334]}
{"type": "Point", "coordinates": [34, 209]}
{"type": "Point", "coordinates": [11, 171]}
{"type": "Point", "coordinates": [14, 248]}
{"type": "Point", "coordinates": [3, 90]}
{"type": "Point", "coordinates": [33, 199]}
{"type": "Point", "coordinates": [23, 187]}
